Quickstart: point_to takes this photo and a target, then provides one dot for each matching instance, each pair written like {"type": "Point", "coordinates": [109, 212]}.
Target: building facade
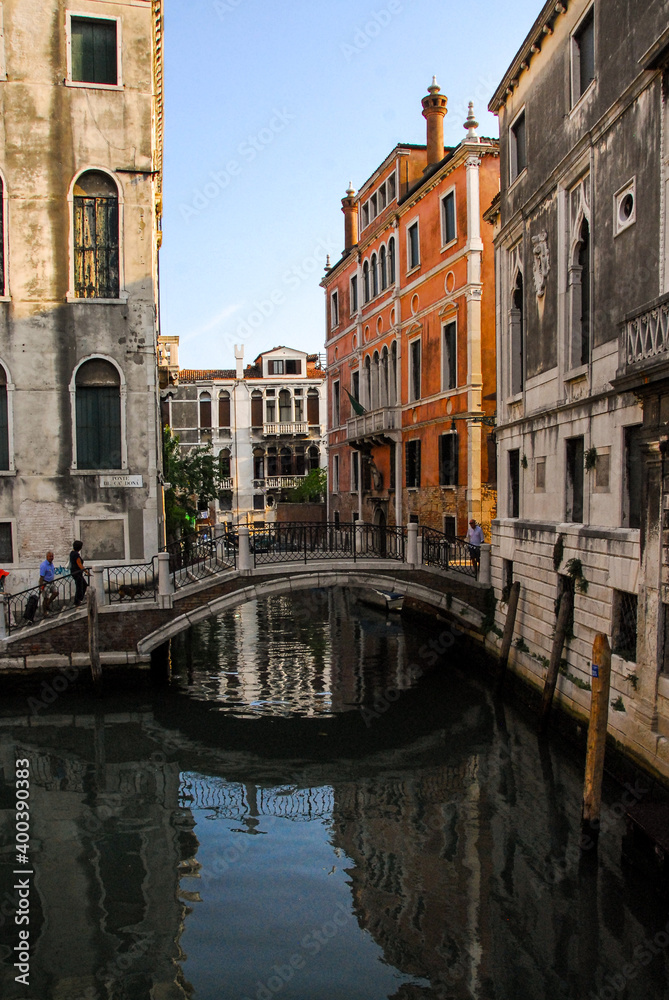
{"type": "Point", "coordinates": [80, 172]}
{"type": "Point", "coordinates": [410, 337]}
{"type": "Point", "coordinates": [581, 234]}
{"type": "Point", "coordinates": [264, 422]}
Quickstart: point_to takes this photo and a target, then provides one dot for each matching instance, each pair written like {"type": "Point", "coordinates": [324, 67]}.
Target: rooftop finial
{"type": "Point", "coordinates": [434, 86]}
{"type": "Point", "coordinates": [350, 190]}
{"type": "Point", "coordinates": [471, 125]}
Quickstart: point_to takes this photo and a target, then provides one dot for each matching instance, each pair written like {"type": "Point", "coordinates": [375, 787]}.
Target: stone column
{"type": "Point", "coordinates": [98, 581]}
{"type": "Point", "coordinates": [412, 544]}
{"type": "Point", "coordinates": [165, 587]}
{"type": "Point", "coordinates": [484, 567]}
{"type": "Point", "coordinates": [244, 564]}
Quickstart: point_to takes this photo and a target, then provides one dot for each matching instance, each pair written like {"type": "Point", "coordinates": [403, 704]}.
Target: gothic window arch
{"type": "Point", "coordinates": [365, 281]}
{"type": "Point", "coordinates": [6, 424]}
{"type": "Point", "coordinates": [516, 323]}
{"type": "Point", "coordinates": [391, 260]}
{"type": "Point", "coordinates": [98, 415]}
{"type": "Point", "coordinates": [96, 236]}
{"type": "Point", "coordinates": [368, 381]}
{"type": "Point", "coordinates": [580, 274]}
{"type": "Point", "coordinates": [204, 409]}
{"type": "Point", "coordinates": [375, 276]}
{"type": "Point", "coordinates": [393, 374]}
{"type": "Point", "coordinates": [384, 386]}
{"type": "Point", "coordinates": [383, 266]}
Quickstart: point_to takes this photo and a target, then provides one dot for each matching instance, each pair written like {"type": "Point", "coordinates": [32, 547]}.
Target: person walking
{"type": "Point", "coordinates": [77, 570]}
{"type": "Point", "coordinates": [475, 540]}
{"type": "Point", "coordinates": [47, 583]}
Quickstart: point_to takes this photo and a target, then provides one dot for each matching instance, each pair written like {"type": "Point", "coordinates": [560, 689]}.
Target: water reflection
{"type": "Point", "coordinates": [197, 847]}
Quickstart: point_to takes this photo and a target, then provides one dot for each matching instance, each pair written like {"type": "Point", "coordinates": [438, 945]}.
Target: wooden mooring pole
{"type": "Point", "coordinates": [594, 761]}
{"type": "Point", "coordinates": [564, 616]}
{"type": "Point", "coordinates": [508, 632]}
{"type": "Point", "coordinates": [93, 636]}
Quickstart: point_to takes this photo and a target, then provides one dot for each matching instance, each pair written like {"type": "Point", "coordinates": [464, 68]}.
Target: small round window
{"type": "Point", "coordinates": [626, 207]}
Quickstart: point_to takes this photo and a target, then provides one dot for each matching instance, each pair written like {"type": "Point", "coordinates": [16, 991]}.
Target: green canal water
{"type": "Point", "coordinates": [322, 803]}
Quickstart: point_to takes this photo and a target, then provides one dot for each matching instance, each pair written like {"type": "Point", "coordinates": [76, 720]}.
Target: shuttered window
{"type": "Point", "coordinates": [448, 460]}
{"type": "Point", "coordinates": [94, 58]}
{"type": "Point", "coordinates": [412, 463]}
{"type": "Point", "coordinates": [256, 409]}
{"type": "Point", "coordinates": [224, 409]}
{"type": "Point", "coordinates": [96, 237]}
{"type": "Point", "coordinates": [313, 408]}
{"type": "Point", "coordinates": [4, 423]}
{"type": "Point", "coordinates": [205, 409]}
{"type": "Point", "coordinates": [98, 416]}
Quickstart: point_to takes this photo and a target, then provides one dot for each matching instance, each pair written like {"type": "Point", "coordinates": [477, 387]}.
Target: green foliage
{"type": "Point", "coordinates": [194, 482]}
{"type": "Point", "coordinates": [634, 680]}
{"type": "Point", "coordinates": [312, 489]}
{"type": "Point", "coordinates": [543, 660]}
{"type": "Point", "coordinates": [521, 645]}
{"type": "Point", "coordinates": [497, 631]}
{"type": "Point", "coordinates": [618, 705]}
{"type": "Point", "coordinates": [563, 669]}
{"type": "Point", "coordinates": [558, 552]}
{"type": "Point", "coordinates": [575, 570]}
{"type": "Point", "coordinates": [590, 459]}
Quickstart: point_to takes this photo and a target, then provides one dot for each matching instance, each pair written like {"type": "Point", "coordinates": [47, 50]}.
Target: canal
{"type": "Point", "coordinates": [322, 803]}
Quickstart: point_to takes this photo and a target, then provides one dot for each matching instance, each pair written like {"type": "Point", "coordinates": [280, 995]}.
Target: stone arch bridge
{"type": "Point", "coordinates": [141, 608]}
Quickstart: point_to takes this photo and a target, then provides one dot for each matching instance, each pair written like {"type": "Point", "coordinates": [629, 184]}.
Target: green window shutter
{"type": "Point", "coordinates": [98, 413]}
{"type": "Point", "coordinates": [94, 51]}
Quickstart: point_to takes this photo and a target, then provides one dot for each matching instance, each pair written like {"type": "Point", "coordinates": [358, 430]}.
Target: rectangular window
{"type": "Point", "coordinates": [225, 500]}
{"type": "Point", "coordinates": [299, 409]}
{"type": "Point", "coordinates": [365, 214]}
{"type": "Point", "coordinates": [373, 206]}
{"type": "Point", "coordinates": [517, 147]}
{"type": "Point", "coordinates": [270, 411]}
{"type": "Point", "coordinates": [574, 508]}
{"type": "Point", "coordinates": [354, 293]}
{"type": "Point", "coordinates": [258, 501]}
{"type": "Point", "coordinates": [413, 246]}
{"type": "Point", "coordinates": [98, 427]}
{"type": "Point", "coordinates": [583, 56]}
{"type": "Point", "coordinates": [96, 247]}
{"type": "Point", "coordinates": [294, 365]}
{"type": "Point", "coordinates": [540, 475]}
{"type": "Point", "coordinates": [6, 545]}
{"type": "Point", "coordinates": [382, 197]}
{"type": "Point", "coordinates": [449, 357]}
{"type": "Point", "coordinates": [335, 404]}
{"type": "Point", "coordinates": [391, 188]}
{"type": "Point", "coordinates": [224, 465]}
{"type": "Point", "coordinates": [414, 370]}
{"type": "Point", "coordinates": [412, 463]}
{"type": "Point", "coordinates": [334, 311]}
{"type": "Point", "coordinates": [4, 428]}
{"type": "Point", "coordinates": [448, 459]}
{"type": "Point", "coordinates": [335, 474]}
{"type": "Point", "coordinates": [355, 472]}
{"type": "Point", "coordinates": [448, 218]}
{"type": "Point", "coordinates": [313, 408]}
{"type": "Point", "coordinates": [393, 465]}
{"type": "Point", "coordinates": [355, 385]}
{"type": "Point", "coordinates": [276, 368]}
{"type": "Point", "coordinates": [258, 466]}
{"type": "Point", "coordinates": [633, 482]}
{"type": "Point", "coordinates": [514, 483]}
{"type": "Point", "coordinates": [624, 625]}
{"type": "Point", "coordinates": [337, 517]}
{"type": "Point", "coordinates": [224, 410]}
{"type": "Point", "coordinates": [94, 50]}
{"type": "Point", "coordinates": [450, 526]}
{"type": "Point", "coordinates": [256, 410]}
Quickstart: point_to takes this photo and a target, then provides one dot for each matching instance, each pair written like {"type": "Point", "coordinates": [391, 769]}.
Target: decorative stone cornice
{"type": "Point", "coordinates": [158, 123]}
{"type": "Point", "coordinates": [542, 26]}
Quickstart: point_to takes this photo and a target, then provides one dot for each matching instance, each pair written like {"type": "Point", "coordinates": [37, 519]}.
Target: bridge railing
{"type": "Point", "coordinates": [197, 555]}
{"type": "Point", "coordinates": [131, 582]}
{"type": "Point", "coordinates": [447, 552]}
{"type": "Point", "coordinates": [289, 542]}
{"type": "Point", "coordinates": [33, 605]}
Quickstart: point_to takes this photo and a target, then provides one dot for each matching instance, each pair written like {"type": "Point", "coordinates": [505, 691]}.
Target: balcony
{"type": "Point", "coordinates": [227, 483]}
{"type": "Point", "coordinates": [278, 482]}
{"type": "Point", "coordinates": [285, 430]}
{"type": "Point", "coordinates": [375, 427]}
{"type": "Point", "coordinates": [644, 345]}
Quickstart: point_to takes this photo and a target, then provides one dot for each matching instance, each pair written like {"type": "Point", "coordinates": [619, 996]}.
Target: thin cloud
{"type": "Point", "coordinates": [211, 324]}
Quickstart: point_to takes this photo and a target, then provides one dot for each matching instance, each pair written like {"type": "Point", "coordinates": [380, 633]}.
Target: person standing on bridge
{"type": "Point", "coordinates": [77, 570]}
{"type": "Point", "coordinates": [47, 582]}
{"type": "Point", "coordinates": [475, 540]}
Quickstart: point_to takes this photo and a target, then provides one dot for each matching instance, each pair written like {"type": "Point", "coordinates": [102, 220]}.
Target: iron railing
{"type": "Point", "coordinates": [448, 552]}
{"type": "Point", "coordinates": [199, 555]}
{"type": "Point", "coordinates": [292, 542]}
{"type": "Point", "coordinates": [34, 605]}
{"type": "Point", "coordinates": [131, 583]}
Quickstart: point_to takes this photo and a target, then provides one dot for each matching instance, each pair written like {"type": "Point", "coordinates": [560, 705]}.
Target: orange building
{"type": "Point", "coordinates": [410, 311]}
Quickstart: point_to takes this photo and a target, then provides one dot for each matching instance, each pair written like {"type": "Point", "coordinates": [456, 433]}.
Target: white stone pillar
{"type": "Point", "coordinates": [165, 586]}
{"type": "Point", "coordinates": [484, 566]}
{"type": "Point", "coordinates": [98, 575]}
{"type": "Point", "coordinates": [412, 544]}
{"type": "Point", "coordinates": [244, 564]}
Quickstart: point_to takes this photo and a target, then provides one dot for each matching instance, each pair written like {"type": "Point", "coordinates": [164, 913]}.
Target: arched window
{"type": "Point", "coordinates": [3, 287]}
{"type": "Point", "coordinates": [205, 409]}
{"type": "Point", "coordinates": [313, 408]}
{"type": "Point", "coordinates": [4, 422]}
{"type": "Point", "coordinates": [285, 408]}
{"type": "Point", "coordinates": [375, 277]}
{"type": "Point", "coordinates": [96, 237]}
{"type": "Point", "coordinates": [368, 381]}
{"type": "Point", "coordinates": [256, 408]}
{"type": "Point", "coordinates": [224, 409]}
{"type": "Point", "coordinates": [517, 335]}
{"type": "Point", "coordinates": [286, 462]}
{"type": "Point", "coordinates": [392, 396]}
{"type": "Point", "coordinates": [314, 457]}
{"type": "Point", "coordinates": [258, 463]}
{"type": "Point", "coordinates": [224, 463]}
{"type": "Point", "coordinates": [272, 462]}
{"type": "Point", "coordinates": [391, 259]}
{"type": "Point", "coordinates": [375, 381]}
{"type": "Point", "coordinates": [584, 265]}
{"type": "Point", "coordinates": [365, 281]}
{"type": "Point", "coordinates": [98, 415]}
{"type": "Point", "coordinates": [384, 268]}
{"type": "Point", "coordinates": [384, 377]}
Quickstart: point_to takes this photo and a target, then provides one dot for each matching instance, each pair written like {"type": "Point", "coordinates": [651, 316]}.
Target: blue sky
{"type": "Point", "coordinates": [272, 106]}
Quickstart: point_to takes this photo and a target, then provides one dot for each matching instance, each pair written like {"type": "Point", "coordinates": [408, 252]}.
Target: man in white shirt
{"type": "Point", "coordinates": [475, 540]}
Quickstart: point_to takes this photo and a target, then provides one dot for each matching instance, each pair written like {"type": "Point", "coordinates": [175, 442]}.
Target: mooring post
{"type": "Point", "coordinates": [93, 635]}
{"type": "Point", "coordinates": [564, 616]}
{"type": "Point", "coordinates": [594, 760]}
{"type": "Point", "coordinates": [512, 608]}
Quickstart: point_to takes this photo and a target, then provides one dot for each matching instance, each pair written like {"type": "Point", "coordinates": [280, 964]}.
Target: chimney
{"type": "Point", "coordinates": [434, 109]}
{"type": "Point", "coordinates": [350, 210]}
{"type": "Point", "coordinates": [239, 358]}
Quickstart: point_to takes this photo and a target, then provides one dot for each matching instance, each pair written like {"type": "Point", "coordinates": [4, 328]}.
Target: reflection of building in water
{"type": "Point", "coordinates": [107, 840]}
{"type": "Point", "coordinates": [417, 877]}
